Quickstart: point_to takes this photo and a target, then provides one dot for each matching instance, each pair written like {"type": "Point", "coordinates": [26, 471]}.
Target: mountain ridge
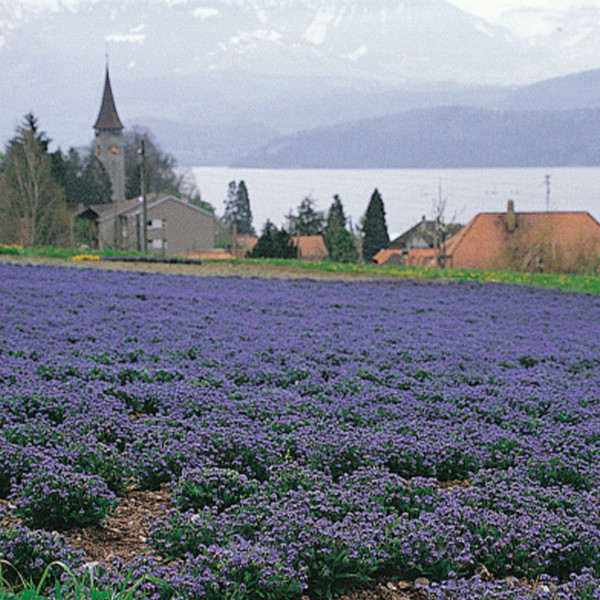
{"type": "Point", "coordinates": [441, 137]}
{"type": "Point", "coordinates": [265, 67]}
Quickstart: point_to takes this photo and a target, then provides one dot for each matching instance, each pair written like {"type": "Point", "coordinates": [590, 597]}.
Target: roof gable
{"type": "Point", "coordinates": [310, 246]}
{"type": "Point", "coordinates": [134, 206]}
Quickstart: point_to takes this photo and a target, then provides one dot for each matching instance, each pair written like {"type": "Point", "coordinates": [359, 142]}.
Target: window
{"type": "Point", "coordinates": [158, 244]}
{"type": "Point", "coordinates": [157, 224]}
{"type": "Point", "coordinates": [124, 228]}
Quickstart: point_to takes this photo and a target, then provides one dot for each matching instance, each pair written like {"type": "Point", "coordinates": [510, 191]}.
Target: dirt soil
{"type": "Point", "coordinates": [206, 269]}
{"type": "Point", "coordinates": [124, 534]}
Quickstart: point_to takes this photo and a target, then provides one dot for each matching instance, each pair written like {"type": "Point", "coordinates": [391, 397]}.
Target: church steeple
{"type": "Point", "coordinates": [108, 146]}
{"type": "Point", "coordinates": [108, 118]}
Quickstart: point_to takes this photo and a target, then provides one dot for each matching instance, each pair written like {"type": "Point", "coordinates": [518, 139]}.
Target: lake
{"type": "Point", "coordinates": [408, 194]}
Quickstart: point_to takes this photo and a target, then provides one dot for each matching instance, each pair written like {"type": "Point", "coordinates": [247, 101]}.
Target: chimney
{"type": "Point", "coordinates": [510, 218]}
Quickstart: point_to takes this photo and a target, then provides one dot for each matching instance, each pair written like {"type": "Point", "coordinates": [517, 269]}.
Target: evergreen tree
{"type": "Point", "coordinates": [308, 221]}
{"type": "Point", "coordinates": [237, 209]}
{"type": "Point", "coordinates": [336, 217]}
{"type": "Point", "coordinates": [33, 210]}
{"type": "Point", "coordinates": [84, 178]}
{"type": "Point", "coordinates": [338, 240]}
{"type": "Point", "coordinates": [274, 243]}
{"type": "Point", "coordinates": [375, 233]}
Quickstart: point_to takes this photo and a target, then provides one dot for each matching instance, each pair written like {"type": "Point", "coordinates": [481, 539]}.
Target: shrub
{"type": "Point", "coordinates": [13, 463]}
{"type": "Point", "coordinates": [29, 552]}
{"type": "Point", "coordinates": [107, 464]}
{"type": "Point", "coordinates": [57, 497]}
{"type": "Point", "coordinates": [212, 487]}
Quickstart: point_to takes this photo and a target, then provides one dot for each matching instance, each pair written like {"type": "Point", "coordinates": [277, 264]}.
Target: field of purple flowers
{"type": "Point", "coordinates": [307, 431]}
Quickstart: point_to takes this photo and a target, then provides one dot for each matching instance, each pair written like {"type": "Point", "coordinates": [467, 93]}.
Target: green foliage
{"type": "Point", "coordinates": [83, 177]}
{"type": "Point", "coordinates": [14, 250]}
{"type": "Point", "coordinates": [375, 231]}
{"type": "Point", "coordinates": [237, 209]}
{"type": "Point", "coordinates": [336, 217]}
{"type": "Point", "coordinates": [212, 487]}
{"type": "Point", "coordinates": [107, 464]}
{"type": "Point", "coordinates": [308, 221]}
{"type": "Point", "coordinates": [274, 243]}
{"type": "Point", "coordinates": [182, 533]}
{"type": "Point", "coordinates": [25, 553]}
{"type": "Point", "coordinates": [33, 210]}
{"type": "Point", "coordinates": [160, 166]}
{"type": "Point", "coordinates": [338, 240]}
{"type": "Point", "coordinates": [61, 499]}
{"type": "Point", "coordinates": [340, 245]}
{"type": "Point", "coordinates": [207, 206]}
{"type": "Point", "coordinates": [58, 581]}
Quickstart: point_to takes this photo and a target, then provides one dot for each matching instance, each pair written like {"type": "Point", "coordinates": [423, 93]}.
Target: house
{"type": "Point", "coordinates": [310, 247]}
{"type": "Point", "coordinates": [543, 241]}
{"type": "Point", "coordinates": [425, 234]}
{"type": "Point", "coordinates": [540, 241]}
{"type": "Point", "coordinates": [173, 225]}
{"type": "Point", "coordinates": [417, 246]}
{"type": "Point", "coordinates": [409, 257]}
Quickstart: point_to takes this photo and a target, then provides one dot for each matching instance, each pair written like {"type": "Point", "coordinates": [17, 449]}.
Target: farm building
{"type": "Point", "coordinates": [424, 234]}
{"type": "Point", "coordinates": [547, 241]}
{"type": "Point", "coordinates": [174, 226]}
{"type": "Point", "coordinates": [544, 241]}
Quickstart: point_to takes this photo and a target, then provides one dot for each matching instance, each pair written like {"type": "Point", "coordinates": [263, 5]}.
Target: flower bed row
{"type": "Point", "coordinates": [307, 429]}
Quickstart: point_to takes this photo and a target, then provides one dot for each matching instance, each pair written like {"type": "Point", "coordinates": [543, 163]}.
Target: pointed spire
{"type": "Point", "coordinates": [108, 117]}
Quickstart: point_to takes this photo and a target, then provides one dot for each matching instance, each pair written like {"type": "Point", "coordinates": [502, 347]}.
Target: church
{"type": "Point", "coordinates": [173, 225]}
{"type": "Point", "coordinates": [108, 145]}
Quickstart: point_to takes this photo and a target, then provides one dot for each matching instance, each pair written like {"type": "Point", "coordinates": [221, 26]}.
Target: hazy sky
{"type": "Point", "coordinates": [492, 9]}
{"type": "Point", "coordinates": [487, 9]}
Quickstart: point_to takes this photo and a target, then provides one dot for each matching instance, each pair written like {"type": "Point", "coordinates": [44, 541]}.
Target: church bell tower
{"type": "Point", "coordinates": [108, 145]}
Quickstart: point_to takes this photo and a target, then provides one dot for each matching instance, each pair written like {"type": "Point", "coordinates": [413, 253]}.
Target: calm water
{"type": "Point", "coordinates": [407, 194]}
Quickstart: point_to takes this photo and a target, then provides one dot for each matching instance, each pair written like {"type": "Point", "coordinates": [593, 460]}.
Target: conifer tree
{"type": "Point", "coordinates": [336, 217]}
{"type": "Point", "coordinates": [274, 243]}
{"type": "Point", "coordinates": [84, 178]}
{"type": "Point", "coordinates": [375, 233]}
{"type": "Point", "coordinates": [338, 240]}
{"type": "Point", "coordinates": [33, 210]}
{"type": "Point", "coordinates": [237, 209]}
{"type": "Point", "coordinates": [308, 221]}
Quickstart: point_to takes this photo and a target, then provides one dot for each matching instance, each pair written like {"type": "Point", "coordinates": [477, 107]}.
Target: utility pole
{"type": "Point", "coordinates": [143, 192]}
{"type": "Point", "coordinates": [547, 193]}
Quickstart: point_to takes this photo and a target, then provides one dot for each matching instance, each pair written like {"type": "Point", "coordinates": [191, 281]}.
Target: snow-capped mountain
{"type": "Point", "coordinates": [279, 64]}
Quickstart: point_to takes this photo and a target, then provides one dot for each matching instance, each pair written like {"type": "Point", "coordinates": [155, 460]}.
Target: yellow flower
{"type": "Point", "coordinates": [85, 257]}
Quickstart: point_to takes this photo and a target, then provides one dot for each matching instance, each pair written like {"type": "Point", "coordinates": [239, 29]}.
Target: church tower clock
{"type": "Point", "coordinates": [108, 145]}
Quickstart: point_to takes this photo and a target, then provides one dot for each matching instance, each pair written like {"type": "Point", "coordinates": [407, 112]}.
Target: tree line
{"type": "Point", "coordinates": [39, 189]}
{"type": "Point", "coordinates": [343, 242]}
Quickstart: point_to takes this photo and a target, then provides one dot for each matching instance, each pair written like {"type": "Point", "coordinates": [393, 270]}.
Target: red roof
{"type": "Point", "coordinates": [512, 240]}
{"type": "Point", "coordinates": [310, 247]}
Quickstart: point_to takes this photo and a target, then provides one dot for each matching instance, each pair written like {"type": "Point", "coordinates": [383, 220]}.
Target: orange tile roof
{"type": "Point", "coordinates": [310, 247]}
{"type": "Point", "coordinates": [490, 242]}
